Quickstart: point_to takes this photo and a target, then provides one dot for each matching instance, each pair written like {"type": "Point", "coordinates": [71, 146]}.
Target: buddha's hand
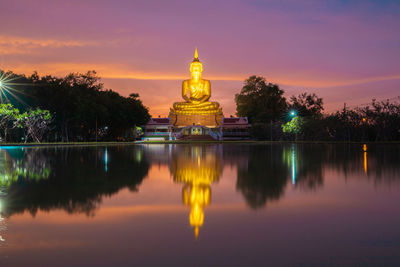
{"type": "Point", "coordinates": [199, 100]}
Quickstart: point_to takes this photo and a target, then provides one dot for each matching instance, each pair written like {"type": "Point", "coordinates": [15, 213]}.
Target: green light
{"type": "Point", "coordinates": [293, 165]}
{"type": "Point", "coordinates": [293, 113]}
{"type": "Point", "coordinates": [106, 160]}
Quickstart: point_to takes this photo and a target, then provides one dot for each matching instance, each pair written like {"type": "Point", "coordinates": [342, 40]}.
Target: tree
{"type": "Point", "coordinates": [35, 123]}
{"type": "Point", "coordinates": [260, 101]}
{"type": "Point", "coordinates": [8, 115]}
{"type": "Point", "coordinates": [385, 116]}
{"type": "Point", "coordinates": [307, 105]}
{"type": "Point", "coordinates": [83, 108]}
{"type": "Point", "coordinates": [295, 126]}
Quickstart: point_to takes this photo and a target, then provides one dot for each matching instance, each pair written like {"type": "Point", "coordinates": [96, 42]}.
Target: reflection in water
{"type": "Point", "coordinates": [293, 165]}
{"type": "Point", "coordinates": [365, 158]}
{"type": "Point", "coordinates": [306, 166]}
{"type": "Point", "coordinates": [144, 229]}
{"type": "Point", "coordinates": [264, 177]}
{"type": "Point", "coordinates": [72, 179]}
{"type": "Point", "coordinates": [197, 167]}
{"type": "Point", "coordinates": [77, 179]}
{"type": "Point", "coordinates": [106, 160]}
{"type": "Point", "coordinates": [2, 220]}
{"type": "Point", "coordinates": [17, 163]}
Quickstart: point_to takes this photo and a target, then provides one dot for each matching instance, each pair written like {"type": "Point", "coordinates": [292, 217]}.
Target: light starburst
{"type": "Point", "coordinates": [7, 81]}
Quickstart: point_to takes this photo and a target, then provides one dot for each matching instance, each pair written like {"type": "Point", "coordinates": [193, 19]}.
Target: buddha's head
{"type": "Point", "coordinates": [196, 67]}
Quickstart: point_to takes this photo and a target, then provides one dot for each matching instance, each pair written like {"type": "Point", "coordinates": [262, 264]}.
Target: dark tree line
{"type": "Point", "coordinates": [269, 112]}
{"type": "Point", "coordinates": [82, 109]}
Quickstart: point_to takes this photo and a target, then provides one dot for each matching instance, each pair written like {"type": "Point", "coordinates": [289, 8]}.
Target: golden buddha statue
{"type": "Point", "coordinates": [196, 92]}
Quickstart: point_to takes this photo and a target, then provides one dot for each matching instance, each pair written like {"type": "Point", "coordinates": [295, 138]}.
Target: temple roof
{"type": "Point", "coordinates": [159, 121]}
{"type": "Point", "coordinates": [235, 120]}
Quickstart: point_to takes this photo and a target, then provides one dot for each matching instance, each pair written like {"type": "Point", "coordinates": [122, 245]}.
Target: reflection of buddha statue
{"type": "Point", "coordinates": [197, 197]}
{"type": "Point", "coordinates": [196, 92]}
{"type": "Point", "coordinates": [197, 169]}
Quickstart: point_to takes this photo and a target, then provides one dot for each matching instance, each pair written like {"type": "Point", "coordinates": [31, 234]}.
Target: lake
{"type": "Point", "coordinates": [200, 205]}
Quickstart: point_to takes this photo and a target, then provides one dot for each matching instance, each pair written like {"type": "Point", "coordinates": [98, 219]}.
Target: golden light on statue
{"type": "Point", "coordinates": [197, 109]}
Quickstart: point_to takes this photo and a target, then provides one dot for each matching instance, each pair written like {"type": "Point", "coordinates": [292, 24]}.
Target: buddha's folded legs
{"type": "Point", "coordinates": [200, 106]}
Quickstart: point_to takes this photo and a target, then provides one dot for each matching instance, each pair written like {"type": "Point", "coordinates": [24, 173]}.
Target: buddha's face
{"type": "Point", "coordinates": [196, 70]}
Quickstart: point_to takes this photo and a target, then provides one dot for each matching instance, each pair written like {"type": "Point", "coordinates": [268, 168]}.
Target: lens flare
{"type": "Point", "coordinates": [7, 82]}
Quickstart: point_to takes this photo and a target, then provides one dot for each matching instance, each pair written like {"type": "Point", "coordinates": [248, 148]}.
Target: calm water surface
{"type": "Point", "coordinates": [200, 205]}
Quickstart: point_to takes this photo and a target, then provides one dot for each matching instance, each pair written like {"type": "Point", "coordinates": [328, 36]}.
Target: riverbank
{"type": "Point", "coordinates": [184, 142]}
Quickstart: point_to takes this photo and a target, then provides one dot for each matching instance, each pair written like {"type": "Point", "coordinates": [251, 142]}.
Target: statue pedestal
{"type": "Point", "coordinates": [209, 120]}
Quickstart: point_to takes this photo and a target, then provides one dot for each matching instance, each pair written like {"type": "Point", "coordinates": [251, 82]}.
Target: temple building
{"type": "Point", "coordinates": [158, 129]}
{"type": "Point", "coordinates": [235, 128]}
{"type": "Point", "coordinates": [196, 117]}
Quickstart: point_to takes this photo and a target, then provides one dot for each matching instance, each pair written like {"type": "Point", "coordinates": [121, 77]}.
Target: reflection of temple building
{"type": "Point", "coordinates": [196, 117]}
{"type": "Point", "coordinates": [197, 167]}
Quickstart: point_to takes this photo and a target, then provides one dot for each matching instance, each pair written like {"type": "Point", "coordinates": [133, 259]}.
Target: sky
{"type": "Point", "coordinates": [344, 51]}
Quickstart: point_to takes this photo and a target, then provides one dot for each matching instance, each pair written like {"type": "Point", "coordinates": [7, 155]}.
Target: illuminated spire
{"type": "Point", "coordinates": [196, 55]}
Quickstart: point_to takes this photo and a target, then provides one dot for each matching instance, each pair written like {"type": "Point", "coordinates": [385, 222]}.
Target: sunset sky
{"type": "Point", "coordinates": [345, 51]}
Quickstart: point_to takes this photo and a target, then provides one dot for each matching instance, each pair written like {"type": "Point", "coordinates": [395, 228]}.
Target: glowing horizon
{"type": "Point", "coordinates": [344, 52]}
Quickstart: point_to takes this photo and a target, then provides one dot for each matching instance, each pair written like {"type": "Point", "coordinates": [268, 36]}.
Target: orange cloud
{"type": "Point", "coordinates": [119, 71]}
{"type": "Point", "coordinates": [22, 45]}
{"type": "Point", "coordinates": [334, 83]}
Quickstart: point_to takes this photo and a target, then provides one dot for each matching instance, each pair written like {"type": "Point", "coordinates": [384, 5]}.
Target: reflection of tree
{"type": "Point", "coordinates": [3, 226]}
{"type": "Point", "coordinates": [378, 162]}
{"type": "Point", "coordinates": [308, 162]}
{"type": "Point", "coordinates": [197, 167]}
{"type": "Point", "coordinates": [18, 163]}
{"type": "Point", "coordinates": [78, 179]}
{"type": "Point", "coordinates": [269, 168]}
{"type": "Point", "coordinates": [265, 176]}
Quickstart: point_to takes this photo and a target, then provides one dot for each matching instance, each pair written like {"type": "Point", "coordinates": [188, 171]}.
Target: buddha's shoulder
{"type": "Point", "coordinates": [186, 82]}
{"type": "Point", "coordinates": [207, 82]}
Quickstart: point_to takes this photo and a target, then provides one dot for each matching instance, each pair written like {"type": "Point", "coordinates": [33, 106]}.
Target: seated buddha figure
{"type": "Point", "coordinates": [196, 92]}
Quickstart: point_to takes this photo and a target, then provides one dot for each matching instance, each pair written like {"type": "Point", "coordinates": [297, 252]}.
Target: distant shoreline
{"type": "Point", "coordinates": [55, 144]}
